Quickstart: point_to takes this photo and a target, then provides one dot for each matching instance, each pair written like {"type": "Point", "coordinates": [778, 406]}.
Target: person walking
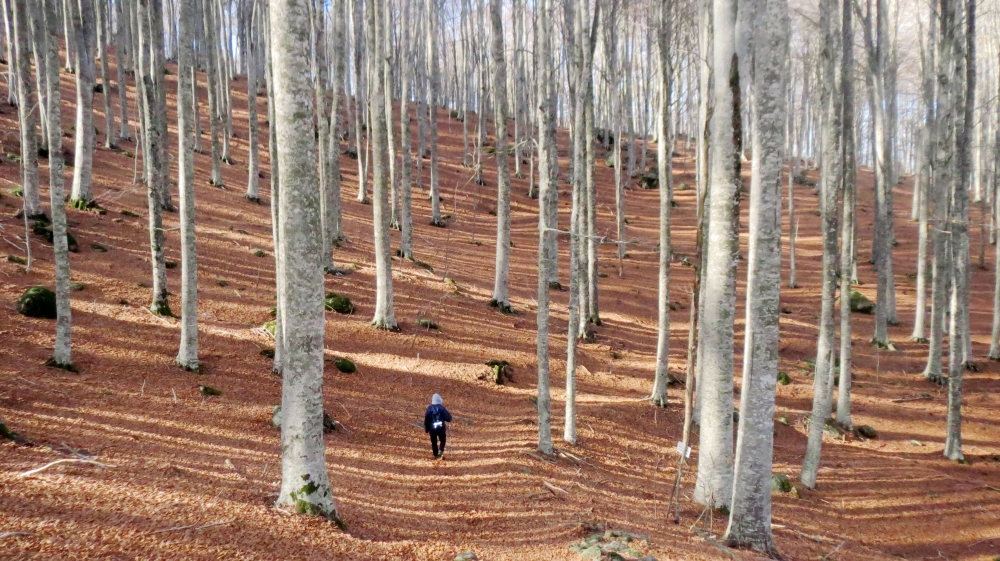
{"type": "Point", "coordinates": [434, 424]}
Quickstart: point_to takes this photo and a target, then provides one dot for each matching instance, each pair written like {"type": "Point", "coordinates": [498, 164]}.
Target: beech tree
{"type": "Point", "coordinates": [305, 483]}
{"type": "Point", "coordinates": [83, 51]}
{"type": "Point", "coordinates": [501, 297]}
{"type": "Point", "coordinates": [750, 510]}
{"type": "Point", "coordinates": [831, 14]}
{"type": "Point", "coordinates": [62, 351]}
{"type": "Point", "coordinates": [187, 355]}
{"type": "Point", "coordinates": [714, 486]}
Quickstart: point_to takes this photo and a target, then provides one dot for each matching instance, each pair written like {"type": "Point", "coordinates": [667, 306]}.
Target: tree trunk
{"type": "Point", "coordinates": [750, 513]}
{"type": "Point", "coordinates": [501, 296]}
{"type": "Point", "coordinates": [305, 483]}
{"type": "Point", "coordinates": [385, 316]}
{"type": "Point", "coordinates": [714, 486]}
{"type": "Point", "coordinates": [406, 165]}
{"type": "Point", "coordinates": [62, 355]}
{"type": "Point", "coordinates": [253, 136]}
{"type": "Point", "coordinates": [965, 97]}
{"type": "Point", "coordinates": [101, 10]}
{"type": "Point", "coordinates": [432, 101]}
{"type": "Point", "coordinates": [548, 196]}
{"type": "Point", "coordinates": [187, 355]}
{"type": "Point", "coordinates": [150, 72]}
{"type": "Point", "coordinates": [665, 175]}
{"type": "Point", "coordinates": [27, 108]}
{"type": "Point", "coordinates": [832, 178]}
{"type": "Point", "coordinates": [850, 197]}
{"type": "Point", "coordinates": [83, 23]}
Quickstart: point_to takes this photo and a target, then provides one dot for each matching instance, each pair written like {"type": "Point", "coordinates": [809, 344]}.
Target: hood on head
{"type": "Point", "coordinates": [436, 400]}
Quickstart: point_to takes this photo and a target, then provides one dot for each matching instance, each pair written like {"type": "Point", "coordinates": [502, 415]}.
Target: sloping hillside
{"type": "Point", "coordinates": [195, 477]}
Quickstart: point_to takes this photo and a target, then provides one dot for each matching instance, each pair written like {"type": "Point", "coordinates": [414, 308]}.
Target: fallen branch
{"type": "Point", "coordinates": [992, 488]}
{"type": "Point", "coordinates": [62, 461]}
{"type": "Point", "coordinates": [195, 526]}
{"type": "Point", "coordinates": [554, 489]}
{"type": "Point", "coordinates": [6, 535]}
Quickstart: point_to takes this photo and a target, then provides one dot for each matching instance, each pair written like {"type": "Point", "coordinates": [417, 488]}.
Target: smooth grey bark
{"type": "Point", "coordinates": [101, 11]}
{"type": "Point", "coordinates": [548, 196]}
{"type": "Point", "coordinates": [187, 355]}
{"type": "Point", "coordinates": [750, 510]}
{"type": "Point", "coordinates": [62, 351]}
{"type": "Point", "coordinates": [149, 65]}
{"type": "Point", "coordinates": [923, 188]}
{"type": "Point", "coordinates": [958, 337]}
{"type": "Point", "coordinates": [406, 164]}
{"type": "Point", "coordinates": [334, 230]}
{"type": "Point", "coordinates": [664, 150]}
{"type": "Point", "coordinates": [433, 93]}
{"type": "Point", "coordinates": [277, 367]}
{"type": "Point", "coordinates": [123, 52]}
{"type": "Point", "coordinates": [849, 186]}
{"type": "Point", "coordinates": [501, 295]}
{"type": "Point", "coordinates": [83, 153]}
{"type": "Point", "coordinates": [253, 134]}
{"type": "Point", "coordinates": [212, 84]}
{"type": "Point", "coordinates": [714, 485]}
{"type": "Point", "coordinates": [388, 24]}
{"type": "Point", "coordinates": [944, 176]}
{"type": "Point", "coordinates": [832, 177]}
{"type": "Point", "coordinates": [27, 108]}
{"type": "Point", "coordinates": [385, 316]}
{"type": "Point", "coordinates": [305, 482]}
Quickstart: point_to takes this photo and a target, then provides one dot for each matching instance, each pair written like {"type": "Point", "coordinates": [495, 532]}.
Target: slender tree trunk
{"type": "Point", "coordinates": [334, 211]}
{"type": "Point", "coordinates": [832, 177]}
{"type": "Point", "coordinates": [83, 23]}
{"type": "Point", "coordinates": [664, 162]}
{"type": "Point", "coordinates": [548, 196]}
{"type": "Point", "coordinates": [187, 355]}
{"type": "Point", "coordinates": [150, 71]}
{"type": "Point", "coordinates": [850, 197]}
{"type": "Point", "coordinates": [27, 107]}
{"type": "Point", "coordinates": [944, 131]}
{"type": "Point", "coordinates": [965, 96]}
{"type": "Point", "coordinates": [750, 513]}
{"type": "Point", "coordinates": [101, 10]}
{"type": "Point", "coordinates": [61, 356]}
{"type": "Point", "coordinates": [432, 101]}
{"type": "Point", "coordinates": [501, 296]}
{"type": "Point", "coordinates": [211, 79]}
{"type": "Point", "coordinates": [714, 486]}
{"type": "Point", "coordinates": [253, 136]}
{"type": "Point", "coordinates": [406, 165]}
{"type": "Point", "coordinates": [278, 365]}
{"type": "Point", "coordinates": [385, 316]}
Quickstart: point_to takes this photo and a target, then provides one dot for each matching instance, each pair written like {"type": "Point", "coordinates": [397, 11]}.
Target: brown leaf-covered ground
{"type": "Point", "coordinates": [178, 461]}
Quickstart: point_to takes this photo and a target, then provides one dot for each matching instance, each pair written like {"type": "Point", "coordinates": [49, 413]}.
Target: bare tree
{"type": "Point", "coordinates": [187, 355]}
{"type": "Point", "coordinates": [305, 482]}
{"type": "Point", "coordinates": [750, 510]}
{"type": "Point", "coordinates": [501, 297]}
{"type": "Point", "coordinates": [714, 486]}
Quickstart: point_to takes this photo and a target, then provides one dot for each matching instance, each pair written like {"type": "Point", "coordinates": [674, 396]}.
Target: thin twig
{"type": "Point", "coordinates": [6, 535]}
{"type": "Point", "coordinates": [62, 461]}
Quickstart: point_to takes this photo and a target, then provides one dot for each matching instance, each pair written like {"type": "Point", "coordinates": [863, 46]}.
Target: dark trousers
{"type": "Point", "coordinates": [438, 436]}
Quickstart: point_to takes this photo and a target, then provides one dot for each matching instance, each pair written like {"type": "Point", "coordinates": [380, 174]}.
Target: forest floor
{"type": "Point", "coordinates": [195, 477]}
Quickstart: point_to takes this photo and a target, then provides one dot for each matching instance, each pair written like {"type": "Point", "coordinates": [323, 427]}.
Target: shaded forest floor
{"type": "Point", "coordinates": [179, 459]}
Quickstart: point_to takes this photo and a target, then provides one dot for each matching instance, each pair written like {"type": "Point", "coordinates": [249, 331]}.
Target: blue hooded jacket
{"type": "Point", "coordinates": [436, 411]}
